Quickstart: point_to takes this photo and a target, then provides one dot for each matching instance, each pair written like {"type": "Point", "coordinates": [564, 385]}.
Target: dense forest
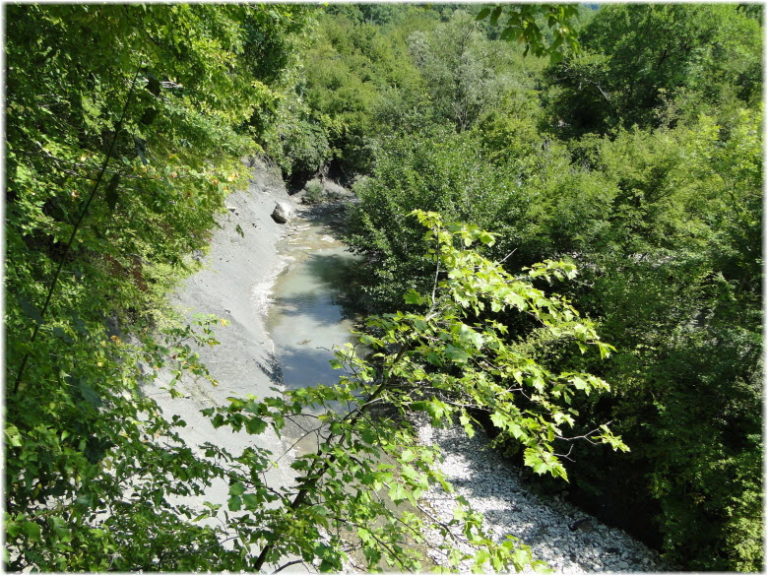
{"type": "Point", "coordinates": [564, 197]}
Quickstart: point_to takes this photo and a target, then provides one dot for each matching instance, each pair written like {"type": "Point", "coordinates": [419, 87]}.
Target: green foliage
{"type": "Point", "coordinates": [525, 24]}
{"type": "Point", "coordinates": [455, 63]}
{"type": "Point", "coordinates": [509, 132]}
{"type": "Point", "coordinates": [443, 172]}
{"type": "Point", "coordinates": [465, 73]}
{"type": "Point", "coordinates": [269, 52]}
{"type": "Point", "coordinates": [640, 57]}
{"type": "Point", "coordinates": [124, 130]}
{"type": "Point", "coordinates": [124, 134]}
{"type": "Point", "coordinates": [314, 190]}
{"type": "Point", "coordinates": [350, 70]}
{"type": "Point", "coordinates": [665, 226]}
{"type": "Point", "coordinates": [298, 144]}
{"type": "Point", "coordinates": [402, 70]}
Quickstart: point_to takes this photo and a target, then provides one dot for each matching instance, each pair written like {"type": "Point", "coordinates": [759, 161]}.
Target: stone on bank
{"type": "Point", "coordinates": [282, 213]}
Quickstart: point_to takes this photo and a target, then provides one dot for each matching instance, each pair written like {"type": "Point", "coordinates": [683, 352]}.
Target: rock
{"type": "Point", "coordinates": [282, 213]}
{"type": "Point", "coordinates": [583, 524]}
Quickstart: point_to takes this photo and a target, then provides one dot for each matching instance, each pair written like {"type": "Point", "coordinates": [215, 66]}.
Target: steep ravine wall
{"type": "Point", "coordinates": [234, 284]}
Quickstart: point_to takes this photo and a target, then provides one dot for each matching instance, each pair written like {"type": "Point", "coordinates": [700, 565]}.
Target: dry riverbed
{"type": "Point", "coordinates": [569, 540]}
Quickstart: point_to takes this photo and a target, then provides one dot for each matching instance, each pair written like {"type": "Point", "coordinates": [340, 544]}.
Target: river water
{"type": "Point", "coordinates": [306, 319]}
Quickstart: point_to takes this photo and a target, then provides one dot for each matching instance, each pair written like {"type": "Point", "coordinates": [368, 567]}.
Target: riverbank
{"type": "Point", "coordinates": [568, 539]}
{"type": "Point", "coordinates": [234, 284]}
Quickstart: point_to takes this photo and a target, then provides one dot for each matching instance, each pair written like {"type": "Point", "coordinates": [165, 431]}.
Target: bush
{"type": "Point", "coordinates": [314, 192]}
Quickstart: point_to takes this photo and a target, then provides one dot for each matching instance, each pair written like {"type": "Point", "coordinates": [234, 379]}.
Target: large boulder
{"type": "Point", "coordinates": [282, 213]}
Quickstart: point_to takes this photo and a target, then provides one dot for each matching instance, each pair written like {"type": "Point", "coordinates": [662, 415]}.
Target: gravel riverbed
{"type": "Point", "coordinates": [558, 533]}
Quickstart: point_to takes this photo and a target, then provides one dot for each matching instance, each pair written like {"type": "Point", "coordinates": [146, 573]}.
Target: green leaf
{"type": "Point", "coordinates": [252, 501]}
{"type": "Point", "coordinates": [413, 297]}
{"type": "Point", "coordinates": [237, 488]}
{"type": "Point", "coordinates": [31, 530]}
{"type": "Point", "coordinates": [473, 338]}
{"type": "Point", "coordinates": [398, 493]}
{"type": "Point", "coordinates": [483, 13]}
{"type": "Point", "coordinates": [495, 15]}
{"type": "Point", "coordinates": [466, 423]}
{"type": "Point", "coordinates": [12, 436]}
{"type": "Point", "coordinates": [407, 455]}
{"type": "Point", "coordinates": [255, 425]}
{"type": "Point", "coordinates": [234, 503]}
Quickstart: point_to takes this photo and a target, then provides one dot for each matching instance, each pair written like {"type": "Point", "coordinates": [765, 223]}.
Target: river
{"type": "Point", "coordinates": [306, 320]}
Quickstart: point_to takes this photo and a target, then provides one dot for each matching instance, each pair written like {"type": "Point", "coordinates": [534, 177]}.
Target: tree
{"type": "Point", "coordinates": [124, 134]}
{"type": "Point", "coordinates": [638, 58]}
{"type": "Point", "coordinates": [459, 67]}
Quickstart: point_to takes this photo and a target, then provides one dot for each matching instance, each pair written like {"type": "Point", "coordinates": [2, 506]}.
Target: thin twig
{"type": "Point", "coordinates": [299, 439]}
{"type": "Point", "coordinates": [507, 256]}
{"type": "Point", "coordinates": [567, 456]}
{"type": "Point", "coordinates": [434, 285]}
{"type": "Point", "coordinates": [437, 522]}
{"type": "Point", "coordinates": [291, 563]}
{"type": "Point", "coordinates": [584, 436]}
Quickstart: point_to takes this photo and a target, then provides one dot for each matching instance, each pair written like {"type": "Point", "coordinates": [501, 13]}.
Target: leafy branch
{"type": "Point", "coordinates": [368, 465]}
